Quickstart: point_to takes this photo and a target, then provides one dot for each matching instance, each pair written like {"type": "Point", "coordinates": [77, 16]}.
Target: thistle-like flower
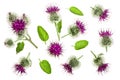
{"type": "Point", "coordinates": [55, 18]}
{"type": "Point", "coordinates": [106, 38]}
{"type": "Point", "coordinates": [24, 63]}
{"type": "Point", "coordinates": [102, 68]}
{"type": "Point", "coordinates": [73, 62]}
{"type": "Point", "coordinates": [55, 49]}
{"type": "Point", "coordinates": [76, 28]}
{"type": "Point", "coordinates": [52, 10]}
{"type": "Point", "coordinates": [100, 12]}
{"type": "Point", "coordinates": [18, 25]}
{"type": "Point", "coordinates": [67, 67]}
{"type": "Point", "coordinates": [99, 62]}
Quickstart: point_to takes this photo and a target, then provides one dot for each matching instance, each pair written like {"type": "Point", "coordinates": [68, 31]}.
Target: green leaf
{"type": "Point", "coordinates": [42, 33]}
{"type": "Point", "coordinates": [59, 26]}
{"type": "Point", "coordinates": [45, 66]}
{"type": "Point", "coordinates": [20, 47]}
{"type": "Point", "coordinates": [76, 11]}
{"type": "Point", "coordinates": [80, 44]}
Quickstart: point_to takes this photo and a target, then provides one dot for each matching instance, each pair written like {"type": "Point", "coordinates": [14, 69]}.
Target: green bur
{"type": "Point", "coordinates": [106, 41]}
{"type": "Point", "coordinates": [25, 62]}
{"type": "Point", "coordinates": [9, 42]}
{"type": "Point", "coordinates": [73, 30]}
{"type": "Point", "coordinates": [97, 10]}
{"type": "Point", "coordinates": [98, 60]}
{"type": "Point", "coordinates": [54, 17]}
{"type": "Point", "coordinates": [73, 62]}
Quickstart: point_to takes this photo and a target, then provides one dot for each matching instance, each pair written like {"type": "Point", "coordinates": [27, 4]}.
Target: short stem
{"type": "Point", "coordinates": [58, 35]}
{"type": "Point", "coordinates": [93, 54]}
{"type": "Point", "coordinates": [80, 57]}
{"type": "Point", "coordinates": [28, 55]}
{"type": "Point", "coordinates": [29, 39]}
{"type": "Point", "coordinates": [92, 8]}
{"type": "Point", "coordinates": [65, 35]}
{"type": "Point", "coordinates": [45, 42]}
{"type": "Point", "coordinates": [106, 48]}
{"type": "Point", "coordinates": [32, 43]}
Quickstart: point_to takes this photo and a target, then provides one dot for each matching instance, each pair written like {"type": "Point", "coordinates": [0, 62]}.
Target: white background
{"type": "Point", "coordinates": [35, 9]}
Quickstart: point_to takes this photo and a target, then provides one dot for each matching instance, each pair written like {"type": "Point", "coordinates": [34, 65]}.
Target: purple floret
{"type": "Point", "coordinates": [104, 15]}
{"type": "Point", "coordinates": [80, 26]}
{"type": "Point", "coordinates": [18, 25]}
{"type": "Point", "coordinates": [67, 67]}
{"type": "Point", "coordinates": [52, 9]}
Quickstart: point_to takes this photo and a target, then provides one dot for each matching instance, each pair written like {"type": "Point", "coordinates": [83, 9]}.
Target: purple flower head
{"type": "Point", "coordinates": [19, 68]}
{"type": "Point", "coordinates": [104, 15]}
{"type": "Point", "coordinates": [55, 49]}
{"type": "Point", "coordinates": [52, 9]}
{"type": "Point", "coordinates": [106, 33]}
{"type": "Point", "coordinates": [102, 67]}
{"type": "Point", "coordinates": [80, 26]}
{"type": "Point", "coordinates": [18, 25]}
{"type": "Point", "coordinates": [67, 67]}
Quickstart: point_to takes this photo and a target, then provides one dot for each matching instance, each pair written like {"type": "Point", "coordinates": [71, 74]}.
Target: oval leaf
{"type": "Point", "coordinates": [59, 26]}
{"type": "Point", "coordinates": [80, 44]}
{"type": "Point", "coordinates": [76, 11]}
{"type": "Point", "coordinates": [20, 47]}
{"type": "Point", "coordinates": [42, 33]}
{"type": "Point", "coordinates": [45, 66]}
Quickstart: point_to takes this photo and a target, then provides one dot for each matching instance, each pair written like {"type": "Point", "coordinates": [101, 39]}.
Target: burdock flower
{"type": "Point", "coordinates": [52, 10]}
{"type": "Point", "coordinates": [55, 18]}
{"type": "Point", "coordinates": [106, 40]}
{"type": "Point", "coordinates": [55, 49]}
{"type": "Point", "coordinates": [18, 25]}
{"type": "Point", "coordinates": [67, 67]}
{"type": "Point", "coordinates": [76, 28]}
{"type": "Point", "coordinates": [102, 67]}
{"type": "Point", "coordinates": [99, 62]}
{"type": "Point", "coordinates": [19, 68]}
{"type": "Point", "coordinates": [24, 63]}
{"type": "Point", "coordinates": [73, 62]}
{"type": "Point", "coordinates": [100, 12]}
